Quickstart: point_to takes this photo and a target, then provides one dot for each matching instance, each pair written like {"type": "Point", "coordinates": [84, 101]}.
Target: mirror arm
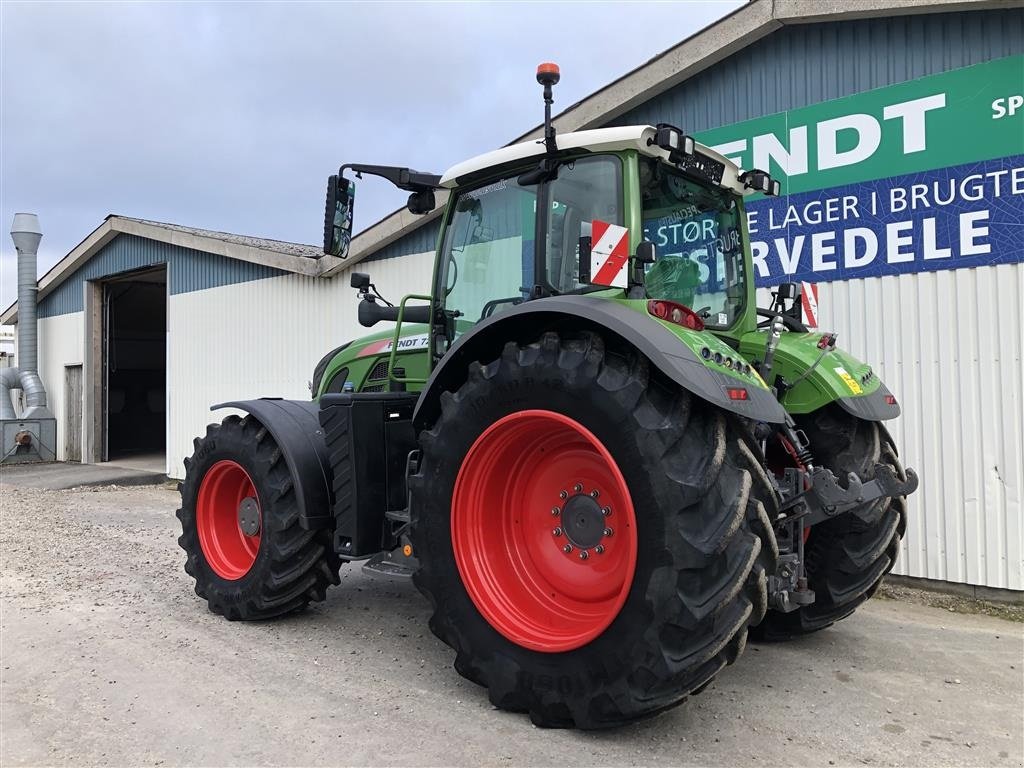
{"type": "Point", "coordinates": [403, 178]}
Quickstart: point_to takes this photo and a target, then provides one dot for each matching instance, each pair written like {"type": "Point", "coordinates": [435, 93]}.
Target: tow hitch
{"type": "Point", "coordinates": [816, 495]}
{"type": "Point", "coordinates": [813, 496]}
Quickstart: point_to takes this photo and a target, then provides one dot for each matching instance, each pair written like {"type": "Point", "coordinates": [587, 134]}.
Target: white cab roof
{"type": "Point", "coordinates": [597, 140]}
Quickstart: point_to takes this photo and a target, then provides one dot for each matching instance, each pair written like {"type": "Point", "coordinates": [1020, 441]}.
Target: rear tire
{"type": "Point", "coordinates": [280, 569]}
{"type": "Point", "coordinates": [702, 540]}
{"type": "Point", "coordinates": [846, 557]}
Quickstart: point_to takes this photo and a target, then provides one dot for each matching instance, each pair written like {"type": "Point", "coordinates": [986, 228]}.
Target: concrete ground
{"type": "Point", "coordinates": [60, 475]}
{"type": "Point", "coordinates": [108, 657]}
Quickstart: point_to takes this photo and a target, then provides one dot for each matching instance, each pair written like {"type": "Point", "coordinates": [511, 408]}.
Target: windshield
{"type": "Point", "coordinates": [696, 233]}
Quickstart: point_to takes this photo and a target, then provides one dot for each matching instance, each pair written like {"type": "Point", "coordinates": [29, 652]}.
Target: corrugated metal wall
{"type": "Point", "coordinates": [806, 64]}
{"type": "Point", "coordinates": [949, 345]}
{"type": "Point", "coordinates": [189, 270]}
{"type": "Point", "coordinates": [263, 338]}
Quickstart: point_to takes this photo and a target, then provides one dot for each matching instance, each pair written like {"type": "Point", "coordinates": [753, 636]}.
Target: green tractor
{"type": "Point", "coordinates": [602, 464]}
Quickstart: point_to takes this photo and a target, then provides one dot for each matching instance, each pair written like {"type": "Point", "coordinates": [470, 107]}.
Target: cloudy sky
{"type": "Point", "coordinates": [230, 116]}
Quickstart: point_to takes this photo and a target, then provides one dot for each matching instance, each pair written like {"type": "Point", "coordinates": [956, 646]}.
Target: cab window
{"type": "Point", "coordinates": [587, 190]}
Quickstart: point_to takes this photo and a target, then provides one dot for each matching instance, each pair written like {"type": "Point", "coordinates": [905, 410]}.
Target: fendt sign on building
{"type": "Point", "coordinates": [924, 175]}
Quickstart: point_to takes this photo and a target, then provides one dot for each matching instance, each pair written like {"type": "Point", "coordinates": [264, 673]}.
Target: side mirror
{"type": "Point", "coordinates": [645, 252]}
{"type": "Point", "coordinates": [360, 281]}
{"type": "Point", "coordinates": [338, 216]}
{"type": "Point", "coordinates": [421, 202]}
{"type": "Point", "coordinates": [789, 291]}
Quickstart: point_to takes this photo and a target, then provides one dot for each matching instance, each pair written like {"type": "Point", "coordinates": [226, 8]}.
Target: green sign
{"type": "Point", "coordinates": [957, 117]}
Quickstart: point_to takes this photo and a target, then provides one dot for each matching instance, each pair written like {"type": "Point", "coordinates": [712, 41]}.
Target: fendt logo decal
{"type": "Point", "coordinates": [919, 176]}
{"type": "Point", "coordinates": [405, 344]}
{"type": "Point", "coordinates": [609, 254]}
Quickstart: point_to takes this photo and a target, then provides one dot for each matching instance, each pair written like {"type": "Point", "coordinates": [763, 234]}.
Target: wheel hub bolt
{"type": "Point", "coordinates": [556, 532]}
{"type": "Point", "coordinates": [578, 488]}
{"type": "Point", "coordinates": [584, 554]}
{"type": "Point", "coordinates": [556, 511]}
{"type": "Point", "coordinates": [608, 531]}
{"type": "Point", "coordinates": [567, 548]}
{"type": "Point", "coordinates": [563, 495]}
{"type": "Point", "coordinates": [594, 493]}
{"type": "Point", "coordinates": [606, 511]}
{"type": "Point", "coordinates": [599, 549]}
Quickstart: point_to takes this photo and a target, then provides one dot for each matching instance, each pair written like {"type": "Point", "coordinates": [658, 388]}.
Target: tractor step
{"type": "Point", "coordinates": [394, 565]}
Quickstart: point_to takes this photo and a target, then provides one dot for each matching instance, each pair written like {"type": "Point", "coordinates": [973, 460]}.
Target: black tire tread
{"type": "Point", "coordinates": [300, 564]}
{"type": "Point", "coordinates": [697, 625]}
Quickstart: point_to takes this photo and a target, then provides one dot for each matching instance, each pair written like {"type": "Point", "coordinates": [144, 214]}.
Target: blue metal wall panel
{"type": "Point", "coordinates": [420, 240]}
{"type": "Point", "coordinates": [187, 270]}
{"type": "Point", "coordinates": [806, 64]}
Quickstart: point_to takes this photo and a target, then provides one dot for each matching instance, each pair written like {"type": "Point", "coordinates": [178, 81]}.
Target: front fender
{"type": "Point", "coordinates": [838, 377]}
{"type": "Point", "coordinates": [295, 427]}
{"type": "Point", "coordinates": [664, 349]}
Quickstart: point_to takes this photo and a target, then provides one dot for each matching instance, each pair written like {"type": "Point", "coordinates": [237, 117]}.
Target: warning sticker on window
{"type": "Point", "coordinates": [609, 254]}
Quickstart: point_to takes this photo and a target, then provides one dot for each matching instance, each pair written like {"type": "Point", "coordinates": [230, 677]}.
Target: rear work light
{"type": "Point", "coordinates": [672, 312]}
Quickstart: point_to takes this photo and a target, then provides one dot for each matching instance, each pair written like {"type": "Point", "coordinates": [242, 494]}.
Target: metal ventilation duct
{"type": "Point", "coordinates": [26, 234]}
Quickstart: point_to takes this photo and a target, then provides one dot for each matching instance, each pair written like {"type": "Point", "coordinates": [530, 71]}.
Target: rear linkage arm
{"type": "Point", "coordinates": [812, 496]}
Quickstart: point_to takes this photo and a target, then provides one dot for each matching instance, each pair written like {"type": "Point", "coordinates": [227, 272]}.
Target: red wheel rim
{"type": "Point", "coordinates": [227, 548]}
{"type": "Point", "coordinates": [522, 563]}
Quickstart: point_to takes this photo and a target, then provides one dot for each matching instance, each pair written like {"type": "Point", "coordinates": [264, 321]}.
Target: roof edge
{"type": "Point", "coordinates": [114, 225]}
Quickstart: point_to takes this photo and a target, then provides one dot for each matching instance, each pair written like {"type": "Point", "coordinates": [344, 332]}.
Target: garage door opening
{"type": "Point", "coordinates": [135, 369]}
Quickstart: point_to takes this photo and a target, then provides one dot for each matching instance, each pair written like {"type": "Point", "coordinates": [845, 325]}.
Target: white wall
{"type": "Point", "coordinates": [60, 344]}
{"type": "Point", "coordinates": [263, 338]}
{"type": "Point", "coordinates": [948, 344]}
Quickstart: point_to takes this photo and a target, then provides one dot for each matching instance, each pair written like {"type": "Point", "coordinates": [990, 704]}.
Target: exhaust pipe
{"type": "Point", "coordinates": [26, 234]}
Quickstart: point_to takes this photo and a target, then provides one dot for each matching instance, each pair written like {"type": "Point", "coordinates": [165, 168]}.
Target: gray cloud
{"type": "Point", "coordinates": [230, 116]}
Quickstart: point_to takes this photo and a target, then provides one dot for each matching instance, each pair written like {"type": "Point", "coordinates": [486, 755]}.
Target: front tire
{"type": "Point", "coordinates": [625, 632]}
{"type": "Point", "coordinates": [255, 562]}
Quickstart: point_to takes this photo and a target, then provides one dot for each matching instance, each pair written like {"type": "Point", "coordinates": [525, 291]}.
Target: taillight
{"type": "Point", "coordinates": [672, 312]}
{"type": "Point", "coordinates": [890, 400]}
{"type": "Point", "coordinates": [737, 393]}
{"type": "Point", "coordinates": [826, 341]}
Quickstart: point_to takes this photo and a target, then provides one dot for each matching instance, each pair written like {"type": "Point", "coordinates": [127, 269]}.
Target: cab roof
{"type": "Point", "coordinates": [638, 137]}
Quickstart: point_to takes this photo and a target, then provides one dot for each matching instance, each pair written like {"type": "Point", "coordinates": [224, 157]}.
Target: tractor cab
{"type": "Point", "coordinates": [635, 214]}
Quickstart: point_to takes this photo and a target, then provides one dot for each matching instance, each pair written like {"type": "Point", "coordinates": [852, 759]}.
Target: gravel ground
{"type": "Point", "coordinates": [108, 657]}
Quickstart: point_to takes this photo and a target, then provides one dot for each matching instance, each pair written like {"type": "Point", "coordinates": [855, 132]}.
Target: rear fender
{"type": "Point", "coordinates": [295, 427]}
{"type": "Point", "coordinates": [839, 377]}
{"type": "Point", "coordinates": [663, 348]}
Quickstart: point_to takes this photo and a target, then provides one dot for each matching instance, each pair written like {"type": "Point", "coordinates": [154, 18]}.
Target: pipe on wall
{"type": "Point", "coordinates": [9, 379]}
{"type": "Point", "coordinates": [26, 234]}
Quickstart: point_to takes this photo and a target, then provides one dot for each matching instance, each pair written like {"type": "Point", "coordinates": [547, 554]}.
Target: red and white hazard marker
{"type": "Point", "coordinates": [809, 298]}
{"type": "Point", "coordinates": [609, 254]}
